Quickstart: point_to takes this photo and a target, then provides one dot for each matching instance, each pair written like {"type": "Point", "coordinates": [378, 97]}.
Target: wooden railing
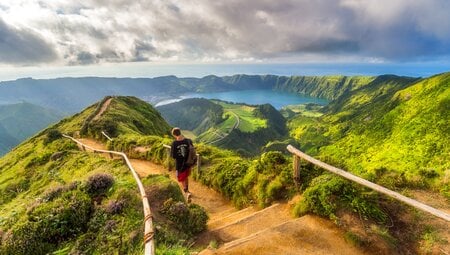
{"type": "Point", "coordinates": [149, 245]}
{"type": "Point", "coordinates": [297, 154]}
{"type": "Point", "coordinates": [199, 158]}
{"type": "Point", "coordinates": [107, 136]}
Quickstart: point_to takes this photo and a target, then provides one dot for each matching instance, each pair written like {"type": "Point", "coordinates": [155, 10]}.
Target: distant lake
{"type": "Point", "coordinates": [276, 98]}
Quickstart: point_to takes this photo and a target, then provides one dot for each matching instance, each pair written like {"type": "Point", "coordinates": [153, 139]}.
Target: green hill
{"type": "Point", "coordinates": [242, 128]}
{"type": "Point", "coordinates": [124, 115]}
{"type": "Point", "coordinates": [20, 121]}
{"type": "Point", "coordinates": [394, 130]}
{"type": "Point", "coordinates": [57, 199]}
{"type": "Point", "coordinates": [194, 114]}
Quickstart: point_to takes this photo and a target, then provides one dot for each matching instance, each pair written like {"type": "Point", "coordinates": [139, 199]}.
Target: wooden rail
{"type": "Point", "coordinates": [149, 248]}
{"type": "Point", "coordinates": [299, 154]}
{"type": "Point", "coordinates": [107, 136]}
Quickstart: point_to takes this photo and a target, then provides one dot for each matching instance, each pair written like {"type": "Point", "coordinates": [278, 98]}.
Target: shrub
{"type": "Point", "coordinates": [190, 219]}
{"type": "Point", "coordinates": [63, 217]}
{"type": "Point", "coordinates": [328, 193]}
{"type": "Point", "coordinates": [98, 184]}
{"type": "Point", "coordinates": [55, 192]}
{"type": "Point", "coordinates": [49, 224]}
{"type": "Point", "coordinates": [52, 135]}
{"type": "Point", "coordinates": [25, 238]}
{"type": "Point", "coordinates": [115, 207]}
{"type": "Point", "coordinates": [227, 174]}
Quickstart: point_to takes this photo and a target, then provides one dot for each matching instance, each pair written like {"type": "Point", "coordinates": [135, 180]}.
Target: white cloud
{"type": "Point", "coordinates": [97, 31]}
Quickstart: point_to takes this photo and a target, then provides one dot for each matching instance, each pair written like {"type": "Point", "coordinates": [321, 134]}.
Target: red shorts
{"type": "Point", "coordinates": [183, 175]}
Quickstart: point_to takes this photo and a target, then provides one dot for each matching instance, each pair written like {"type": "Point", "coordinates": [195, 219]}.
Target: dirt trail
{"type": "Point", "coordinates": [252, 231]}
{"type": "Point", "coordinates": [103, 109]}
{"type": "Point", "coordinates": [208, 198]}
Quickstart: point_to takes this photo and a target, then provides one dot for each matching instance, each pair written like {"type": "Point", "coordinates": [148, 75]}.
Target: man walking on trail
{"type": "Point", "coordinates": [179, 151]}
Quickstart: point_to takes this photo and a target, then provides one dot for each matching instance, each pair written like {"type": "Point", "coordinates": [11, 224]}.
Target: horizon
{"type": "Point", "coordinates": [152, 70]}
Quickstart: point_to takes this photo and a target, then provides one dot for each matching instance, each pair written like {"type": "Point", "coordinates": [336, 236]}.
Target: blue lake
{"type": "Point", "coordinates": [275, 98]}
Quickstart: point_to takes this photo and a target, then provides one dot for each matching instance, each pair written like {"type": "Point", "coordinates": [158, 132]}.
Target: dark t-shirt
{"type": "Point", "coordinates": [179, 151]}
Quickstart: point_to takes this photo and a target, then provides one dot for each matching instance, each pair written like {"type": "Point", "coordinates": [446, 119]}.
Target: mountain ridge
{"type": "Point", "coordinates": [56, 93]}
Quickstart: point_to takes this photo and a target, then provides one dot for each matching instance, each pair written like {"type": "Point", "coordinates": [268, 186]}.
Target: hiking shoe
{"type": "Point", "coordinates": [188, 196]}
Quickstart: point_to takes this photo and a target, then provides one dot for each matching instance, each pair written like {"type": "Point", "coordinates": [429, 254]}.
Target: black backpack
{"type": "Point", "coordinates": [192, 155]}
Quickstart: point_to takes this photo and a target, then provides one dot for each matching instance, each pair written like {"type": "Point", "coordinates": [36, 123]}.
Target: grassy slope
{"type": "Point", "coordinates": [128, 115]}
{"type": "Point", "coordinates": [395, 125]}
{"type": "Point", "coordinates": [194, 114]}
{"type": "Point", "coordinates": [248, 122]}
{"type": "Point", "coordinates": [28, 174]}
{"type": "Point", "coordinates": [330, 87]}
{"type": "Point", "coordinates": [44, 187]}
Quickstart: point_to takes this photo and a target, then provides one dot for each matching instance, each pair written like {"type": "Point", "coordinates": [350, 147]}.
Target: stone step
{"type": "Point", "coordinates": [252, 223]}
{"type": "Point", "coordinates": [230, 217]}
{"type": "Point", "coordinates": [305, 235]}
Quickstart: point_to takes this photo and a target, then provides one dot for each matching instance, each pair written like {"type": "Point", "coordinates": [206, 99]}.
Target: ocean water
{"type": "Point", "coordinates": [275, 98]}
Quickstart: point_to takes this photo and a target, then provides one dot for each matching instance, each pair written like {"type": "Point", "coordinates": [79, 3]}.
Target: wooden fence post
{"type": "Point", "coordinates": [296, 166]}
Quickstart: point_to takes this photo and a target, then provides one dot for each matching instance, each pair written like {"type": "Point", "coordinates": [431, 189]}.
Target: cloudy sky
{"type": "Point", "coordinates": [96, 32]}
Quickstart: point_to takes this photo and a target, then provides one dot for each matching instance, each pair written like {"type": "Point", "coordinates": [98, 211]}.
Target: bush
{"type": "Point", "coordinates": [98, 184]}
{"type": "Point", "coordinates": [190, 219]}
{"type": "Point", "coordinates": [49, 224]}
{"type": "Point", "coordinates": [52, 135]}
{"type": "Point", "coordinates": [55, 192]}
{"type": "Point", "coordinates": [115, 207]}
{"type": "Point", "coordinates": [328, 193]}
{"type": "Point", "coordinates": [63, 217]}
{"type": "Point", "coordinates": [25, 238]}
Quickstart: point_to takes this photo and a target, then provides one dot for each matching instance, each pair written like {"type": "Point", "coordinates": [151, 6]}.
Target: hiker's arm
{"type": "Point", "coordinates": [172, 151]}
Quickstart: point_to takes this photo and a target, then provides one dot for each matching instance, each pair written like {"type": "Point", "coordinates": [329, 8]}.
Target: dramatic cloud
{"type": "Point", "coordinates": [23, 46]}
{"type": "Point", "coordinates": [96, 31]}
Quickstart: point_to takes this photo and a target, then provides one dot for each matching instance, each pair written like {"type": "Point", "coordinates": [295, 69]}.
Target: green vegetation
{"type": "Point", "coordinates": [248, 122]}
{"type": "Point", "coordinates": [243, 128]}
{"type": "Point", "coordinates": [125, 115]}
{"type": "Point", "coordinates": [57, 199]}
{"type": "Point", "coordinates": [176, 222]}
{"type": "Point", "coordinates": [388, 129]}
{"type": "Point", "coordinates": [307, 110]}
{"type": "Point", "coordinates": [52, 187]}
{"type": "Point", "coordinates": [394, 131]}
{"type": "Point", "coordinates": [330, 87]}
{"type": "Point", "coordinates": [194, 114]}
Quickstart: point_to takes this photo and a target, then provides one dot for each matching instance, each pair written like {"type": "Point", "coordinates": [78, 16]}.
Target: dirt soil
{"type": "Point", "coordinates": [103, 109]}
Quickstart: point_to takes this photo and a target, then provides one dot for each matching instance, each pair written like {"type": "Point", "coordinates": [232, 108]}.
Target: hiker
{"type": "Point", "coordinates": [179, 151]}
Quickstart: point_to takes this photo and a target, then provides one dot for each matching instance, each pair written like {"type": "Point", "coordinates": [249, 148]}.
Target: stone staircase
{"type": "Point", "coordinates": [272, 231]}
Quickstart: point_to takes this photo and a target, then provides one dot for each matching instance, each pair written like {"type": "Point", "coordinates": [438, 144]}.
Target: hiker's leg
{"type": "Point", "coordinates": [186, 184]}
